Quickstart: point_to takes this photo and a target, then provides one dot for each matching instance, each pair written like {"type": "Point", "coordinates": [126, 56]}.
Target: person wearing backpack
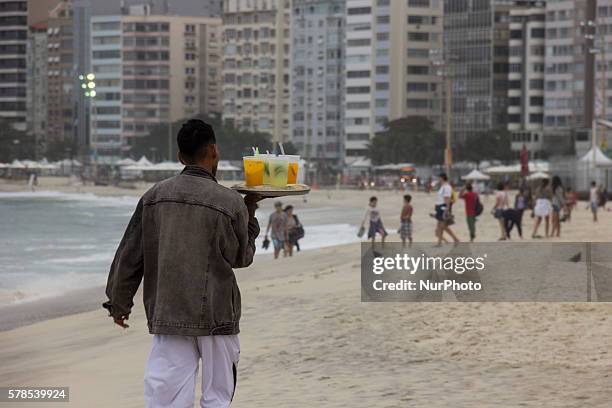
{"type": "Point", "coordinates": [473, 208]}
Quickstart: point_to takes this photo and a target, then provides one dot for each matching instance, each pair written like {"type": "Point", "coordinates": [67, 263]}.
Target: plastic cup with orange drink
{"type": "Point", "coordinates": [254, 167]}
{"type": "Point", "coordinates": [293, 167]}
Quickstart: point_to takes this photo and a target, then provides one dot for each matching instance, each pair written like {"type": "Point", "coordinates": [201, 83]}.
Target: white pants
{"type": "Point", "coordinates": [172, 369]}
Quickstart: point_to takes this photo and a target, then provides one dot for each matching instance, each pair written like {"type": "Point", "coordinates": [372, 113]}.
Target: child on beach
{"type": "Point", "coordinates": [570, 202]}
{"type": "Point", "coordinates": [372, 217]}
{"type": "Point", "coordinates": [406, 221]}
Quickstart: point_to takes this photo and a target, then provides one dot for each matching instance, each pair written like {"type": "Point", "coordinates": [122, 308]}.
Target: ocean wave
{"type": "Point", "coordinates": [55, 247]}
{"type": "Point", "coordinates": [50, 286]}
{"type": "Point", "coordinates": [99, 257]}
{"type": "Point", "coordinates": [89, 198]}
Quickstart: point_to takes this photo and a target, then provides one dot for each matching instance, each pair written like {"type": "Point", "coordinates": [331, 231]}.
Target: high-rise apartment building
{"type": "Point", "coordinates": [13, 43]}
{"type": "Point", "coordinates": [61, 75]}
{"type": "Point", "coordinates": [389, 74]}
{"type": "Point", "coordinates": [84, 10]}
{"type": "Point", "coordinates": [317, 80]}
{"type": "Point", "coordinates": [36, 86]}
{"type": "Point", "coordinates": [526, 76]}
{"type": "Point", "coordinates": [150, 69]}
{"type": "Point", "coordinates": [477, 53]}
{"type": "Point", "coordinates": [256, 65]}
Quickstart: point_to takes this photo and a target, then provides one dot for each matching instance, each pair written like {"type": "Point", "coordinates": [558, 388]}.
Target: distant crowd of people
{"type": "Point", "coordinates": [550, 203]}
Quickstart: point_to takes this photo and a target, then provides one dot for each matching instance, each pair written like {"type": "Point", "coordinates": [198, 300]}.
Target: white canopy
{"type": "Point", "coordinates": [68, 162]}
{"type": "Point", "coordinates": [538, 175]}
{"type": "Point", "coordinates": [601, 160]}
{"type": "Point", "coordinates": [126, 162]}
{"type": "Point", "coordinates": [16, 164]}
{"type": "Point", "coordinates": [361, 162]}
{"type": "Point", "coordinates": [476, 175]}
{"type": "Point", "coordinates": [144, 161]}
{"type": "Point", "coordinates": [225, 165]}
{"type": "Point", "coordinates": [516, 168]}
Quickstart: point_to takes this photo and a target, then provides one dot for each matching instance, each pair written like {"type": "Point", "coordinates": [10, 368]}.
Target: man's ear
{"type": "Point", "coordinates": [180, 159]}
{"type": "Point", "coordinates": [213, 150]}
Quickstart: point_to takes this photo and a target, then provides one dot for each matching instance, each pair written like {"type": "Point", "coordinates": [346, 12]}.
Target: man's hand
{"type": "Point", "coordinates": [251, 201]}
{"type": "Point", "coordinates": [120, 321]}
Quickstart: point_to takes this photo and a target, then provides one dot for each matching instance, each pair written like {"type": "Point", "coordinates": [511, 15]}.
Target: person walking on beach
{"type": "Point", "coordinates": [184, 239]}
{"type": "Point", "coordinates": [501, 205]}
{"type": "Point", "coordinates": [543, 208]}
{"type": "Point", "coordinates": [442, 210]}
{"type": "Point", "coordinates": [406, 221]}
{"type": "Point", "coordinates": [295, 230]}
{"type": "Point", "coordinates": [594, 200]}
{"type": "Point", "coordinates": [514, 216]}
{"type": "Point", "coordinates": [471, 201]}
{"type": "Point", "coordinates": [278, 223]}
{"type": "Point", "coordinates": [571, 199]}
{"type": "Point", "coordinates": [558, 202]}
{"type": "Point", "coordinates": [374, 222]}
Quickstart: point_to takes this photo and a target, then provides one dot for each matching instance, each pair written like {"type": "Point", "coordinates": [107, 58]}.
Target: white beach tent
{"type": "Point", "coordinates": [126, 162]}
{"type": "Point", "coordinates": [601, 160]}
{"type": "Point", "coordinates": [476, 175]}
{"type": "Point", "coordinates": [538, 175]}
{"type": "Point", "coordinates": [144, 161]}
{"type": "Point", "coordinates": [16, 164]}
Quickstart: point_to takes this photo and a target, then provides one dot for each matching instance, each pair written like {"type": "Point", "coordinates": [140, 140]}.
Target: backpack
{"type": "Point", "coordinates": [478, 207]}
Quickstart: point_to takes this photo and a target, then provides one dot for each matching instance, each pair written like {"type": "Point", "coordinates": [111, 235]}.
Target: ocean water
{"type": "Point", "coordinates": [52, 243]}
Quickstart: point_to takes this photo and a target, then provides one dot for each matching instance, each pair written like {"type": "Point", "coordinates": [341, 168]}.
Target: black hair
{"type": "Point", "coordinates": [193, 138]}
{"type": "Point", "coordinates": [289, 207]}
{"type": "Point", "coordinates": [443, 176]}
{"type": "Point", "coordinates": [469, 187]}
{"type": "Point", "coordinates": [593, 183]}
{"type": "Point", "coordinates": [408, 198]}
{"type": "Point", "coordinates": [373, 198]}
{"type": "Point", "coordinates": [556, 183]}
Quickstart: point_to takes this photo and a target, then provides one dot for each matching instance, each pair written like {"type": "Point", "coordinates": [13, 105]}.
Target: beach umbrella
{"type": "Point", "coordinates": [524, 159]}
{"type": "Point", "coordinates": [476, 175]}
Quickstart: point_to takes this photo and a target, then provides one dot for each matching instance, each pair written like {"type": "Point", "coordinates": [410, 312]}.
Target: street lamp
{"type": "Point", "coordinates": [88, 87]}
{"type": "Point", "coordinates": [441, 63]}
{"type": "Point", "coordinates": [590, 34]}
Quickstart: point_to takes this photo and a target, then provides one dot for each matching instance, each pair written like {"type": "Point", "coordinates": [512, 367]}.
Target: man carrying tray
{"type": "Point", "coordinates": [186, 235]}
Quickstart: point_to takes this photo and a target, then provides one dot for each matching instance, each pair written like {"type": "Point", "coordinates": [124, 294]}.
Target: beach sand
{"type": "Point", "coordinates": [308, 341]}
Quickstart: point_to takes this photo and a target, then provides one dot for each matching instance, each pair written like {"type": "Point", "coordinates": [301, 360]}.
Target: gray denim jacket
{"type": "Point", "coordinates": [184, 238]}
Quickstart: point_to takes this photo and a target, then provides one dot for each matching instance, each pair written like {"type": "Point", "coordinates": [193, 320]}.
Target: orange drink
{"type": "Point", "coordinates": [292, 172]}
{"type": "Point", "coordinates": [253, 171]}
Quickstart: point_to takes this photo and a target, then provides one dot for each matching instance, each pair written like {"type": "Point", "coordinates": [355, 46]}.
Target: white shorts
{"type": "Point", "coordinates": [172, 370]}
{"type": "Point", "coordinates": [542, 208]}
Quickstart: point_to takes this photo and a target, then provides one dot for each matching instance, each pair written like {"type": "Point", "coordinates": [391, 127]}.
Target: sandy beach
{"type": "Point", "coordinates": [308, 341]}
